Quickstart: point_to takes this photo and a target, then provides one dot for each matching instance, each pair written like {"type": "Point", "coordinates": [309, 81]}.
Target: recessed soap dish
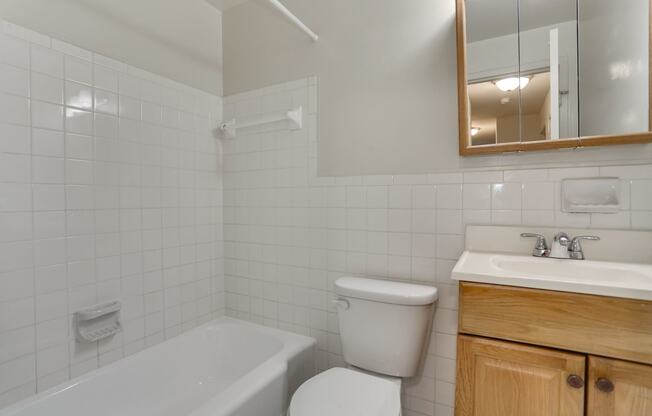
{"type": "Point", "coordinates": [97, 322]}
{"type": "Point", "coordinates": [587, 195]}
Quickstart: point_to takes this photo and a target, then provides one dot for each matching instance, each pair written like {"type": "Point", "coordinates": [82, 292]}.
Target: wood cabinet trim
{"type": "Point", "coordinates": [610, 327]}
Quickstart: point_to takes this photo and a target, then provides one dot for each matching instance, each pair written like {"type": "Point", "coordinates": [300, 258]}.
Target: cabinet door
{"type": "Point", "coordinates": [619, 388]}
{"type": "Point", "coordinates": [498, 378]}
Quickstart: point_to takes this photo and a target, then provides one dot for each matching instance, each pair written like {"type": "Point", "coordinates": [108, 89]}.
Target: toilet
{"type": "Point", "coordinates": [384, 327]}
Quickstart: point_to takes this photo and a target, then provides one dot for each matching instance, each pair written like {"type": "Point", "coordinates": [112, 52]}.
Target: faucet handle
{"type": "Point", "coordinates": [575, 248]}
{"type": "Point", "coordinates": [541, 247]}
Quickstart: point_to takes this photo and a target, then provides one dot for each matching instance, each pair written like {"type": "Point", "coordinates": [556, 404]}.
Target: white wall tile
{"type": "Point", "coordinates": [423, 245]}
{"type": "Point", "coordinates": [399, 244]}
{"type": "Point", "coordinates": [47, 115]}
{"type": "Point", "coordinates": [476, 216]}
{"type": "Point", "coordinates": [64, 241]}
{"type": "Point", "coordinates": [46, 61]}
{"type": "Point", "coordinates": [449, 221]}
{"type": "Point", "coordinates": [17, 343]}
{"type": "Point", "coordinates": [423, 221]}
{"type": "Point", "coordinates": [79, 146]}
{"type": "Point", "coordinates": [641, 220]}
{"type": "Point", "coordinates": [399, 220]}
{"type": "Point", "coordinates": [14, 80]}
{"type": "Point", "coordinates": [538, 196]}
{"type": "Point", "coordinates": [16, 226]}
{"type": "Point", "coordinates": [128, 85]}
{"type": "Point", "coordinates": [641, 194]}
{"type": "Point", "coordinates": [46, 88]}
{"type": "Point", "coordinates": [506, 196]}
{"type": "Point", "coordinates": [424, 197]}
{"type": "Point", "coordinates": [79, 95]}
{"type": "Point", "coordinates": [449, 196]}
{"type": "Point", "coordinates": [16, 285]}
{"type": "Point", "coordinates": [617, 220]}
{"type": "Point", "coordinates": [477, 196]}
{"type": "Point", "coordinates": [16, 372]}
{"type": "Point", "coordinates": [16, 255]}
{"type": "Point", "coordinates": [14, 51]}
{"type": "Point", "coordinates": [78, 70]}
{"type": "Point", "coordinates": [562, 173]}
{"type": "Point", "coordinates": [538, 217]}
{"type": "Point", "coordinates": [377, 197]}
{"type": "Point", "coordinates": [15, 168]}
{"type": "Point", "coordinates": [14, 109]}
{"type": "Point", "coordinates": [506, 217]}
{"type": "Point", "coordinates": [483, 177]}
{"type": "Point", "coordinates": [50, 279]}
{"type": "Point", "coordinates": [15, 139]}
{"type": "Point", "coordinates": [400, 196]}
{"type": "Point", "coordinates": [627, 172]}
{"type": "Point", "coordinates": [105, 78]}
{"type": "Point", "coordinates": [49, 197]}
{"type": "Point", "coordinates": [106, 102]}
{"type": "Point", "coordinates": [48, 170]}
{"type": "Point", "coordinates": [47, 142]}
{"type": "Point", "coordinates": [79, 121]}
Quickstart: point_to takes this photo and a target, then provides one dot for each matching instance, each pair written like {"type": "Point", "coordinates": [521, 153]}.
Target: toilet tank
{"type": "Point", "coordinates": [384, 325]}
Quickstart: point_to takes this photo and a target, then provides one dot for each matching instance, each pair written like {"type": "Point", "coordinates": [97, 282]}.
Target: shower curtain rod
{"type": "Point", "coordinates": [294, 19]}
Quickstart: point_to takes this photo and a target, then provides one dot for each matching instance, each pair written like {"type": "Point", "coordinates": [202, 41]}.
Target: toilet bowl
{"type": "Point", "coordinates": [384, 327]}
{"type": "Point", "coordinates": [346, 392]}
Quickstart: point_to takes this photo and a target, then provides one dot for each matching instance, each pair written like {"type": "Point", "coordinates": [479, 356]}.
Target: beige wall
{"type": "Point", "coordinates": [178, 39]}
{"type": "Point", "coordinates": [508, 128]}
{"type": "Point", "coordinates": [387, 83]}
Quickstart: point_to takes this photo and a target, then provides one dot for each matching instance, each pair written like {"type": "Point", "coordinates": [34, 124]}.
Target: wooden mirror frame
{"type": "Point", "coordinates": [588, 141]}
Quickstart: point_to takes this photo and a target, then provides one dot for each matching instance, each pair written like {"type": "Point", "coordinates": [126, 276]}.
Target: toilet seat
{"type": "Point", "coordinates": [345, 392]}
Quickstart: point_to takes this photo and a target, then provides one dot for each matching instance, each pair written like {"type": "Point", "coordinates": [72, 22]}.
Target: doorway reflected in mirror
{"type": "Point", "coordinates": [497, 104]}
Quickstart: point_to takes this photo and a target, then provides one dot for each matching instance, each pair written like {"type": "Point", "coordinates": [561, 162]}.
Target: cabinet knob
{"type": "Point", "coordinates": [604, 385]}
{"type": "Point", "coordinates": [575, 381]}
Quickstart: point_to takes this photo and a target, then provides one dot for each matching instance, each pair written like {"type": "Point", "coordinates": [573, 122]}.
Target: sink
{"type": "Point", "coordinates": [575, 271]}
{"type": "Point", "coordinates": [626, 280]}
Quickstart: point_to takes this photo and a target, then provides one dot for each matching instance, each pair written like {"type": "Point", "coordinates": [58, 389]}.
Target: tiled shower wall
{"type": "Point", "coordinates": [289, 234]}
{"type": "Point", "coordinates": [110, 188]}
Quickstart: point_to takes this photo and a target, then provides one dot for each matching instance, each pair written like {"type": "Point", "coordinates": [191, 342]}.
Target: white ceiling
{"type": "Point", "coordinates": [485, 98]}
{"type": "Point", "coordinates": [178, 39]}
{"type": "Point", "coordinates": [189, 26]}
{"type": "Point", "coordinates": [492, 18]}
{"type": "Point", "coordinates": [222, 5]}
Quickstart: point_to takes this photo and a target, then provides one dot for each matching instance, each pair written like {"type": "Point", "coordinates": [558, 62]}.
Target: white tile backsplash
{"type": "Point", "coordinates": [91, 189]}
{"type": "Point", "coordinates": [292, 233]}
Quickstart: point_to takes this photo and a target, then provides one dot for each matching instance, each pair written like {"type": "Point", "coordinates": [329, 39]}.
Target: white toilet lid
{"type": "Point", "coordinates": [343, 392]}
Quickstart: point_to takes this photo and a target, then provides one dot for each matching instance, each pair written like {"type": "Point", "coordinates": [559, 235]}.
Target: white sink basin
{"type": "Point", "coordinates": [625, 280]}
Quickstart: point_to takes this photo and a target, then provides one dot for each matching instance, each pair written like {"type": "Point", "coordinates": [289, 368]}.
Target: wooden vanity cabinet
{"type": "Point", "coordinates": [497, 378]}
{"type": "Point", "coordinates": [530, 352]}
{"type": "Point", "coordinates": [619, 388]}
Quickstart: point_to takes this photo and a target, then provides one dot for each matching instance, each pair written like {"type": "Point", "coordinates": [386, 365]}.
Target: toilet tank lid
{"type": "Point", "coordinates": [385, 291]}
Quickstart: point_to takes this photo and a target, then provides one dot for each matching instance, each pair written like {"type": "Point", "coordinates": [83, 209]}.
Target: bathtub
{"type": "Point", "coordinates": [225, 367]}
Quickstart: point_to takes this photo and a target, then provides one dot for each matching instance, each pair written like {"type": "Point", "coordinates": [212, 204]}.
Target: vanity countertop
{"type": "Point", "coordinates": [605, 278]}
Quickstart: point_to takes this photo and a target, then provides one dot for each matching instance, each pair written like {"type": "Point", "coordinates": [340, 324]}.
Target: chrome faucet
{"type": "Point", "coordinates": [541, 247]}
{"type": "Point", "coordinates": [559, 249]}
{"type": "Point", "coordinates": [575, 248]}
{"type": "Point", "coordinates": [563, 247]}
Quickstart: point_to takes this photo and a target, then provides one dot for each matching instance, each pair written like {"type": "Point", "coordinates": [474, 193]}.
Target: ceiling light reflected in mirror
{"type": "Point", "coordinates": [512, 83]}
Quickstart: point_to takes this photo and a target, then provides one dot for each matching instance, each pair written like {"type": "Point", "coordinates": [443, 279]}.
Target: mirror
{"type": "Point", "coordinates": [545, 74]}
